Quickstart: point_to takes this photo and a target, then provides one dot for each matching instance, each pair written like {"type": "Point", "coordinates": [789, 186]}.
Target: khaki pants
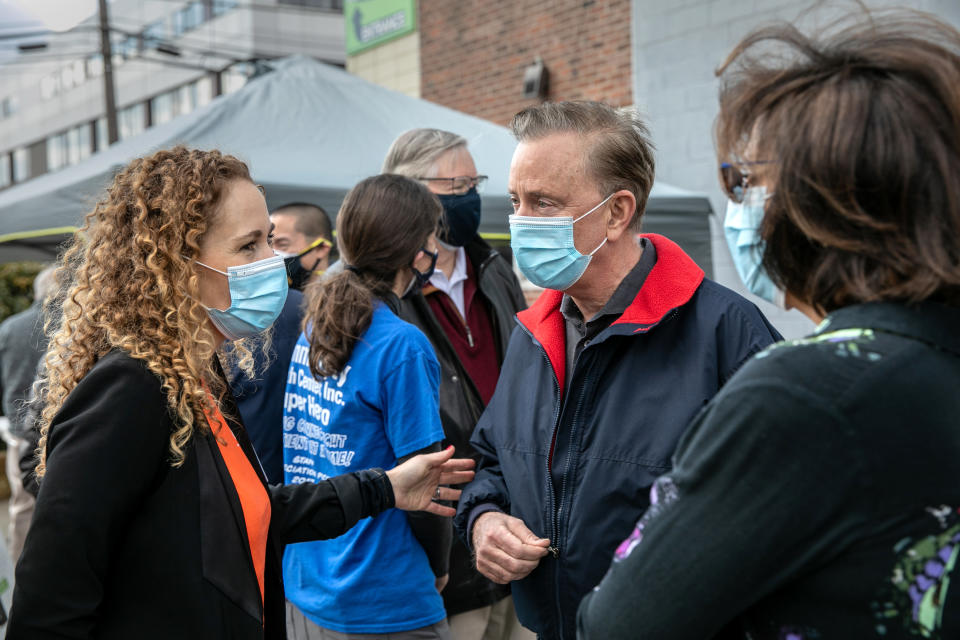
{"type": "Point", "coordinates": [300, 627]}
{"type": "Point", "coordinates": [21, 502]}
{"type": "Point", "coordinates": [496, 622]}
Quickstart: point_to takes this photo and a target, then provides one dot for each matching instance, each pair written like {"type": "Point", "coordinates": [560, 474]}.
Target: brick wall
{"type": "Point", "coordinates": [473, 52]}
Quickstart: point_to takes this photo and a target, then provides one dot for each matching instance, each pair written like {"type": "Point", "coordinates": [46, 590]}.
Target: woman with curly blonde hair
{"type": "Point", "coordinates": [154, 519]}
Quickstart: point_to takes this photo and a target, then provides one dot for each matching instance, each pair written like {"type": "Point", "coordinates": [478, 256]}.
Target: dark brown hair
{"type": "Point", "coordinates": [860, 125]}
{"type": "Point", "coordinates": [383, 222]}
{"type": "Point", "coordinates": [620, 152]}
{"type": "Point", "coordinates": [309, 219]}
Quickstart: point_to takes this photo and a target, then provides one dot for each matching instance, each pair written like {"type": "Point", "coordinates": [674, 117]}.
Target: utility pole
{"type": "Point", "coordinates": [108, 90]}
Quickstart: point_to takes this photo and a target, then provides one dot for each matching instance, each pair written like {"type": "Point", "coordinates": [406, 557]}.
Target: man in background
{"type": "Point", "coordinates": [301, 234]}
{"type": "Point", "coordinates": [467, 311]}
{"type": "Point", "coordinates": [22, 345]}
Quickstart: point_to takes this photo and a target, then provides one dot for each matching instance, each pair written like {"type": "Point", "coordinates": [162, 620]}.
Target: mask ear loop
{"type": "Point", "coordinates": [594, 209]}
{"type": "Point", "coordinates": [206, 266]}
{"type": "Point", "coordinates": [224, 273]}
{"type": "Point", "coordinates": [600, 246]}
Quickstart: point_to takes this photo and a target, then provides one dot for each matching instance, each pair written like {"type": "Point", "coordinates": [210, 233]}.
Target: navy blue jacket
{"type": "Point", "coordinates": [260, 401]}
{"type": "Point", "coordinates": [634, 389]}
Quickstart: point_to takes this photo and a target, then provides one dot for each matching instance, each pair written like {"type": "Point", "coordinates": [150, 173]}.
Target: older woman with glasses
{"type": "Point", "coordinates": [816, 495]}
{"type": "Point", "coordinates": [467, 311]}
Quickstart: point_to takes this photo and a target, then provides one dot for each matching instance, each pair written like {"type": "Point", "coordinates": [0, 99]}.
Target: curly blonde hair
{"type": "Point", "coordinates": [127, 282]}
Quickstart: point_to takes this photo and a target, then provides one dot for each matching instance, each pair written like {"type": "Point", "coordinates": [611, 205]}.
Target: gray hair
{"type": "Point", "coordinates": [45, 283]}
{"type": "Point", "coordinates": [620, 152]}
{"type": "Point", "coordinates": [414, 153]}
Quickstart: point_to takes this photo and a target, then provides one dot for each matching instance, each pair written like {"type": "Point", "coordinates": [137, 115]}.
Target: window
{"type": "Point", "coordinates": [5, 170]}
{"type": "Point", "coordinates": [49, 86]}
{"type": "Point", "coordinates": [131, 121]}
{"type": "Point", "coordinates": [129, 47]}
{"type": "Point", "coordinates": [315, 4]}
{"type": "Point", "coordinates": [95, 65]}
{"type": "Point", "coordinates": [204, 91]}
{"type": "Point", "coordinates": [101, 137]}
{"type": "Point", "coordinates": [69, 147]}
{"type": "Point", "coordinates": [176, 24]}
{"type": "Point", "coordinates": [78, 143]}
{"type": "Point", "coordinates": [56, 151]}
{"type": "Point", "coordinates": [187, 98]}
{"type": "Point", "coordinates": [21, 164]}
{"type": "Point", "coordinates": [9, 106]}
{"type": "Point", "coordinates": [66, 77]}
{"type": "Point", "coordinates": [222, 6]}
{"type": "Point", "coordinates": [153, 34]}
{"type": "Point", "coordinates": [79, 72]}
{"type": "Point", "coordinates": [161, 108]}
{"type": "Point", "coordinates": [236, 77]}
{"type": "Point", "coordinates": [192, 16]}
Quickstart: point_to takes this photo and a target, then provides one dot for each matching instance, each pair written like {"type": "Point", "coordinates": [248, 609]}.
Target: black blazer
{"type": "Point", "coordinates": [123, 545]}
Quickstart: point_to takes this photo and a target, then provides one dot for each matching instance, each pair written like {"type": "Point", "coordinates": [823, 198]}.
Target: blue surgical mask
{"type": "Point", "coordinates": [545, 251]}
{"type": "Point", "coordinates": [742, 229]}
{"type": "Point", "coordinates": [258, 292]}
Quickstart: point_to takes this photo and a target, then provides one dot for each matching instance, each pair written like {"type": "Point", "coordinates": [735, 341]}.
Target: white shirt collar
{"type": "Point", "coordinates": [439, 278]}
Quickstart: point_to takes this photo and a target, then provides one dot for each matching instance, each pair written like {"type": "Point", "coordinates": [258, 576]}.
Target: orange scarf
{"type": "Point", "coordinates": [254, 500]}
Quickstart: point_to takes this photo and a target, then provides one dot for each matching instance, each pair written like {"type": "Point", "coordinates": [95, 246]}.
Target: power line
{"type": "Point", "coordinates": [288, 8]}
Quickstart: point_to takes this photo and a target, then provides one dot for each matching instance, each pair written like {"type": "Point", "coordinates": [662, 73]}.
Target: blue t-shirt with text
{"type": "Point", "coordinates": [384, 405]}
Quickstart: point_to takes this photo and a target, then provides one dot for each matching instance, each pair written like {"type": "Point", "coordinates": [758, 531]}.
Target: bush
{"type": "Point", "coordinates": [16, 286]}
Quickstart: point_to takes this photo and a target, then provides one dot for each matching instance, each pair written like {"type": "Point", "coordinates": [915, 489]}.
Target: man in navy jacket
{"type": "Point", "coordinates": [604, 371]}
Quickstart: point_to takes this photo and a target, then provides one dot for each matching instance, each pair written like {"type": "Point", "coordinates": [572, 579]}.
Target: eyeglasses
{"type": "Point", "coordinates": [735, 179]}
{"type": "Point", "coordinates": [460, 184]}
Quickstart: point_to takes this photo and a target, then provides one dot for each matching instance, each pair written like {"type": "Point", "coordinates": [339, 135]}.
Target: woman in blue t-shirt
{"type": "Point", "coordinates": [362, 392]}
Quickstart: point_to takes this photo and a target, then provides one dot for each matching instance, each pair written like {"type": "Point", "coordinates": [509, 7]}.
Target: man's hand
{"type": "Point", "coordinates": [505, 549]}
{"type": "Point", "coordinates": [441, 582]}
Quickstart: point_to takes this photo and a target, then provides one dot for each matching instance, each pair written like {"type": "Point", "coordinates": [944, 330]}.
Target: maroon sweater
{"type": "Point", "coordinates": [472, 338]}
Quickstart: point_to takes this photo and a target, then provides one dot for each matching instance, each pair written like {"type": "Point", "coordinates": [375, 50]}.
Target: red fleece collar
{"type": "Point", "coordinates": [672, 282]}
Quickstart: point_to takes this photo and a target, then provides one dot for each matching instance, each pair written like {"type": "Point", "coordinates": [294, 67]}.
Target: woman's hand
{"type": "Point", "coordinates": [415, 481]}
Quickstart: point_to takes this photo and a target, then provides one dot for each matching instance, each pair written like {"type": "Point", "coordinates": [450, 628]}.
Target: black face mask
{"type": "Point", "coordinates": [461, 214]}
{"type": "Point", "coordinates": [297, 275]}
{"type": "Point", "coordinates": [421, 278]}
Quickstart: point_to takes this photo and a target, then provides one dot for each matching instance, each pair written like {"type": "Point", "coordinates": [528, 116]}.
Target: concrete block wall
{"type": "Point", "coordinates": [474, 52]}
{"type": "Point", "coordinates": [394, 64]}
{"type": "Point", "coordinates": [676, 46]}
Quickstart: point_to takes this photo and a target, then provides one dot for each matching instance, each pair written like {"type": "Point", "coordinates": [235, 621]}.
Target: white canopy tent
{"type": "Point", "coordinates": [309, 132]}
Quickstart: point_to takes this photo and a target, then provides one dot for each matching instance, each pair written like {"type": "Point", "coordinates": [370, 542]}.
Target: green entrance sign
{"type": "Point", "coordinates": [369, 23]}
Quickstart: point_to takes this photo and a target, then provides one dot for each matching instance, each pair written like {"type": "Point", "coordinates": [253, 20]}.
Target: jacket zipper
{"type": "Point", "coordinates": [555, 512]}
{"type": "Point", "coordinates": [566, 469]}
{"type": "Point", "coordinates": [553, 548]}
{"type": "Point", "coordinates": [480, 269]}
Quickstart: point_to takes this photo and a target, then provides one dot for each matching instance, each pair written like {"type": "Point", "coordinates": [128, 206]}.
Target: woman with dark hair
{"type": "Point", "coordinates": [154, 519]}
{"type": "Point", "coordinates": [816, 496]}
{"type": "Point", "coordinates": [362, 388]}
